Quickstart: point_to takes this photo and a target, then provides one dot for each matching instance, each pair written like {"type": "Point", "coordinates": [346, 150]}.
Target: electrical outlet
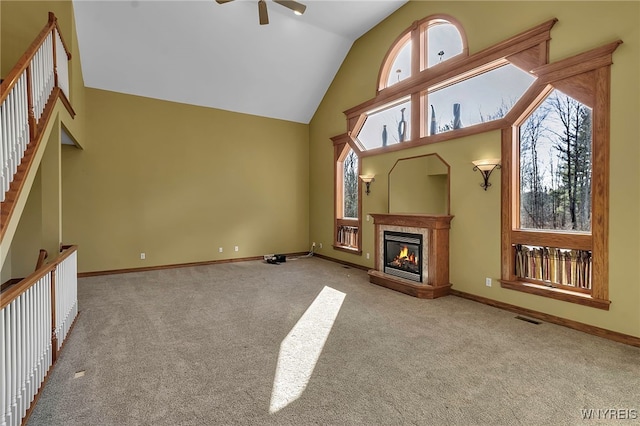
{"type": "Point", "coordinates": [313, 244]}
{"type": "Point", "coordinates": [235, 248]}
{"type": "Point", "coordinates": [320, 245]}
{"type": "Point", "coordinates": [487, 282]}
{"type": "Point", "coordinates": [219, 249]}
{"type": "Point", "coordinates": [143, 256]}
{"type": "Point", "coordinates": [367, 255]}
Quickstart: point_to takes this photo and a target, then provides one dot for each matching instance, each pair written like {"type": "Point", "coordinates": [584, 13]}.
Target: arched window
{"type": "Point", "coordinates": [429, 86]}
{"type": "Point", "coordinates": [429, 42]}
{"type": "Point", "coordinates": [442, 41]}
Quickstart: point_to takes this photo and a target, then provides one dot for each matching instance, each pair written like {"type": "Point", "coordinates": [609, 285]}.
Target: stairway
{"type": "Point", "coordinates": [28, 96]}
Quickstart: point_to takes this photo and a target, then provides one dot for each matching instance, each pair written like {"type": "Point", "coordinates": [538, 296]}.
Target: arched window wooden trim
{"type": "Point", "coordinates": [527, 50]}
{"type": "Point", "coordinates": [341, 146]}
{"type": "Point", "coordinates": [417, 33]}
{"type": "Point", "coordinates": [392, 53]}
{"type": "Point", "coordinates": [422, 32]}
{"type": "Point", "coordinates": [585, 77]}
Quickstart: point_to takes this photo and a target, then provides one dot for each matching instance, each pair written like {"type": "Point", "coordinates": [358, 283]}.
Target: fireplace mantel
{"type": "Point", "coordinates": [435, 231]}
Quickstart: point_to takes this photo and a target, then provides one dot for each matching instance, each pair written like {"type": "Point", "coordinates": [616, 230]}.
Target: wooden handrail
{"type": "Point", "coordinates": [15, 291]}
{"type": "Point", "coordinates": [24, 61]}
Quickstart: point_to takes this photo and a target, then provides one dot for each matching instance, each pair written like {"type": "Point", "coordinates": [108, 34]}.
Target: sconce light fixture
{"type": "Point", "coordinates": [485, 167]}
{"type": "Point", "coordinates": [367, 179]}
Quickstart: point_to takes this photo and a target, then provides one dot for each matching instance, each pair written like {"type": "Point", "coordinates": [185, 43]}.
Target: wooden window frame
{"type": "Point", "coordinates": [527, 50]}
{"type": "Point", "coordinates": [341, 146]}
{"type": "Point", "coordinates": [587, 78]}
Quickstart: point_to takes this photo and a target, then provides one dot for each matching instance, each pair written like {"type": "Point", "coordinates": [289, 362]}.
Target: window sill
{"type": "Point", "coordinates": [352, 250]}
{"type": "Point", "coordinates": [556, 293]}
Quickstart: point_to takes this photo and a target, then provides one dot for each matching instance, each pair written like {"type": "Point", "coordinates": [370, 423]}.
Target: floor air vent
{"type": "Point", "coordinates": [532, 321]}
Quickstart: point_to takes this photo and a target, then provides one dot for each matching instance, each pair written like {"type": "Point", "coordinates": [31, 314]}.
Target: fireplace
{"type": "Point", "coordinates": [412, 253]}
{"type": "Point", "coordinates": [403, 255]}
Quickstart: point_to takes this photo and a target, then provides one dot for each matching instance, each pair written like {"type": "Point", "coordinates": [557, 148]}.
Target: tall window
{"type": "Point", "coordinates": [350, 185]}
{"type": "Point", "coordinates": [555, 166]}
{"type": "Point", "coordinates": [555, 184]}
{"type": "Point", "coordinates": [348, 192]}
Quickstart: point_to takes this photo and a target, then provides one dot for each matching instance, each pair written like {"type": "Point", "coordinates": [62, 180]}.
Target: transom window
{"type": "Point", "coordinates": [437, 88]}
{"type": "Point", "coordinates": [484, 97]}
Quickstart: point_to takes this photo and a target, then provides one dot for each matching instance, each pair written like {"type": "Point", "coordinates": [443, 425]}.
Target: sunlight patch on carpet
{"type": "Point", "coordinates": [300, 350]}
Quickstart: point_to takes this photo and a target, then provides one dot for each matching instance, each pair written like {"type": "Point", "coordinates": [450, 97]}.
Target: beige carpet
{"type": "Point", "coordinates": [201, 346]}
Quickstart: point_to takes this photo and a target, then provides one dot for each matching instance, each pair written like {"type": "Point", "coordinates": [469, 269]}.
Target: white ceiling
{"type": "Point", "coordinates": [207, 54]}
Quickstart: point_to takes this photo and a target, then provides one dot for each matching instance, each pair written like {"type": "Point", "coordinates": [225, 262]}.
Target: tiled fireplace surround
{"type": "Point", "coordinates": [435, 253]}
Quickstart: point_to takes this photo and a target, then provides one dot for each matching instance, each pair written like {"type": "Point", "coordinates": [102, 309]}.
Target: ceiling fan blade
{"type": "Point", "coordinates": [298, 8]}
{"type": "Point", "coordinates": [262, 12]}
{"type": "Point", "coordinates": [223, 1]}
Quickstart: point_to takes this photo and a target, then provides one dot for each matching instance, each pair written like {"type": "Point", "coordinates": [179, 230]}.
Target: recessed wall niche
{"type": "Point", "coordinates": [419, 185]}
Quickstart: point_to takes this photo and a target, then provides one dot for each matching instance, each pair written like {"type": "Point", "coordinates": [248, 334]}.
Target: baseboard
{"type": "Point", "coordinates": [342, 262]}
{"type": "Point", "coordinates": [590, 329]}
{"type": "Point", "coordinates": [175, 266]}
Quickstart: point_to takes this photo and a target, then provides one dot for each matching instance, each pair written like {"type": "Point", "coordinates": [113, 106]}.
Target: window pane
{"type": "Point", "coordinates": [387, 125]}
{"type": "Point", "coordinates": [483, 98]}
{"type": "Point", "coordinates": [350, 185]}
{"type": "Point", "coordinates": [443, 43]}
{"type": "Point", "coordinates": [401, 67]}
{"type": "Point", "coordinates": [555, 166]}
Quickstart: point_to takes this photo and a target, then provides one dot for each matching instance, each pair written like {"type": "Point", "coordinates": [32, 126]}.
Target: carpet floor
{"type": "Point", "coordinates": [203, 345]}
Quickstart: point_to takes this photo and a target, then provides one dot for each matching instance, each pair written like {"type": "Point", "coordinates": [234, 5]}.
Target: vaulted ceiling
{"type": "Point", "coordinates": [207, 54]}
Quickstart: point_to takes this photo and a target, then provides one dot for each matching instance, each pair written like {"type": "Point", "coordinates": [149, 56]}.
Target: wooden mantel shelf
{"type": "Point", "coordinates": [435, 231]}
{"type": "Point", "coordinates": [430, 221]}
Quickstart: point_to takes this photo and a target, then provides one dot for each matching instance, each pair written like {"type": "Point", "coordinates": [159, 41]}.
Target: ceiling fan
{"type": "Point", "coordinates": [296, 7]}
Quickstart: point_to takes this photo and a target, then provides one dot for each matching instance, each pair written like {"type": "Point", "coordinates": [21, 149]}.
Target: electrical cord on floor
{"type": "Point", "coordinates": [273, 260]}
{"type": "Point", "coordinates": [310, 254]}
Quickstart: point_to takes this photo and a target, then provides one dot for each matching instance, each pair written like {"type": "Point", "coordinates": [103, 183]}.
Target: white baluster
{"type": "Point", "coordinates": [28, 346]}
{"type": "Point", "coordinates": [3, 370]}
{"type": "Point", "coordinates": [12, 139]}
{"type": "Point", "coordinates": [47, 324]}
{"type": "Point", "coordinates": [3, 141]}
{"type": "Point", "coordinates": [14, 363]}
{"type": "Point", "coordinates": [62, 66]}
{"type": "Point", "coordinates": [22, 357]}
{"type": "Point", "coordinates": [23, 113]}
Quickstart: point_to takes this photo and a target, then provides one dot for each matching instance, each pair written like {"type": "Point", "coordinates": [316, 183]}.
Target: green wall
{"type": "Point", "coordinates": [177, 182]}
{"type": "Point", "coordinates": [475, 229]}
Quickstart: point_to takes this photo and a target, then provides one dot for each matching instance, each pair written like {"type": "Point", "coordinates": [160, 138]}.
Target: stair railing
{"type": "Point", "coordinates": [25, 94]}
{"type": "Point", "coordinates": [36, 316]}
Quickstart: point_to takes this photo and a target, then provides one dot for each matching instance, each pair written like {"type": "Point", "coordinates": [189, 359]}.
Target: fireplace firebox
{"type": "Point", "coordinates": [403, 255]}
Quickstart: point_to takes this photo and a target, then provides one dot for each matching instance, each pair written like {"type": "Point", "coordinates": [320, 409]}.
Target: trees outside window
{"type": "Point", "coordinates": [555, 166]}
{"type": "Point", "coordinates": [348, 196]}
{"type": "Point", "coordinates": [350, 186]}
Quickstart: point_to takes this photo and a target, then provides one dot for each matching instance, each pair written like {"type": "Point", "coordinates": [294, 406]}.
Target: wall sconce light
{"type": "Point", "coordinates": [485, 167]}
{"type": "Point", "coordinates": [367, 179]}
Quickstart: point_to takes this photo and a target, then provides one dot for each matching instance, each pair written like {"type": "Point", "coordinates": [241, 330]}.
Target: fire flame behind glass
{"type": "Point", "coordinates": [402, 255]}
